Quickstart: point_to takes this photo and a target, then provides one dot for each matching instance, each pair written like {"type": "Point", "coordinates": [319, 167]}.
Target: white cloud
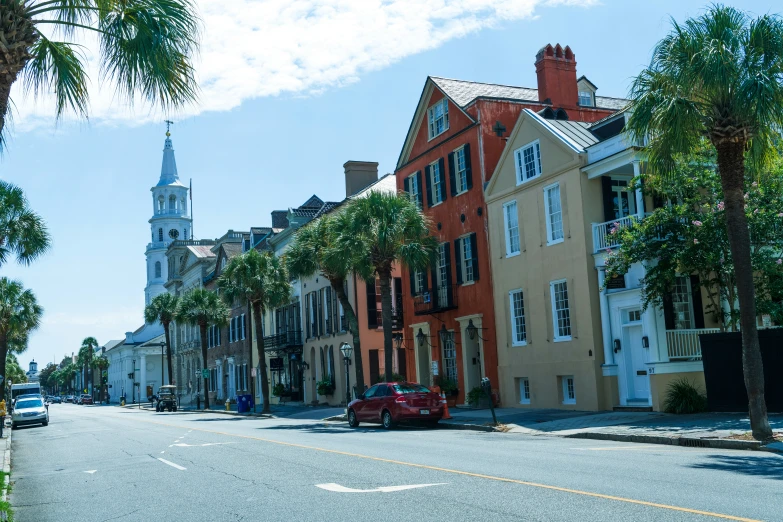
{"type": "Point", "coordinates": [253, 48]}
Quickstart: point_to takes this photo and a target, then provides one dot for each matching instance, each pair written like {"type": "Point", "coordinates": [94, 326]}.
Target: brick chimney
{"type": "Point", "coordinates": [359, 175]}
{"type": "Point", "coordinates": [556, 72]}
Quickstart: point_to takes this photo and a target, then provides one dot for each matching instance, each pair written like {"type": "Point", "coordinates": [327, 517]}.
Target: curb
{"type": "Point", "coordinates": [689, 442]}
{"type": "Point", "coordinates": [441, 425]}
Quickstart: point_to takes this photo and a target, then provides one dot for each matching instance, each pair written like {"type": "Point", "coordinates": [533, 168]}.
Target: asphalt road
{"type": "Point", "coordinates": [106, 463]}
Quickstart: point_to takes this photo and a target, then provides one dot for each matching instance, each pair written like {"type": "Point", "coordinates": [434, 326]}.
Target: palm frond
{"type": "Point", "coordinates": [57, 67]}
{"type": "Point", "coordinates": [23, 233]}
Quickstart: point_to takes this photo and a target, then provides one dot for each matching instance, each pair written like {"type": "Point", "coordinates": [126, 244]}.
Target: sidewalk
{"type": "Point", "coordinates": [278, 411]}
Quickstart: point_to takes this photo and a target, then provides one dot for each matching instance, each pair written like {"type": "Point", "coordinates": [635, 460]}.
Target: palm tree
{"type": "Point", "coordinates": [146, 48]}
{"type": "Point", "coordinates": [23, 233]}
{"type": "Point", "coordinates": [85, 358]}
{"type": "Point", "coordinates": [718, 76]}
{"type": "Point", "coordinates": [315, 250]}
{"type": "Point", "coordinates": [20, 314]}
{"type": "Point", "coordinates": [67, 374]}
{"type": "Point", "coordinates": [380, 230]}
{"type": "Point", "coordinates": [203, 308]}
{"type": "Point", "coordinates": [163, 308]}
{"type": "Point", "coordinates": [261, 280]}
{"type": "Point", "coordinates": [101, 364]}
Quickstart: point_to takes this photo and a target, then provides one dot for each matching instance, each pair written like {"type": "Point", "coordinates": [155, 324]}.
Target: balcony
{"type": "Point", "coordinates": [169, 212]}
{"type": "Point", "coordinates": [610, 147]}
{"type": "Point", "coordinates": [605, 234]}
{"type": "Point", "coordinates": [283, 340]}
{"type": "Point", "coordinates": [683, 345]}
{"type": "Point", "coordinates": [445, 298]}
{"type": "Point", "coordinates": [396, 319]}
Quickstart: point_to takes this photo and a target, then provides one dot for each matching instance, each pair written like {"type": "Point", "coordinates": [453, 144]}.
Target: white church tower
{"type": "Point", "coordinates": [170, 221]}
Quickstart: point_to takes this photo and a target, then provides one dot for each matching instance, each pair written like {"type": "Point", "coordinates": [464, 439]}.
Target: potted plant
{"type": "Point", "coordinates": [278, 390]}
{"type": "Point", "coordinates": [450, 389]}
{"type": "Point", "coordinates": [325, 387]}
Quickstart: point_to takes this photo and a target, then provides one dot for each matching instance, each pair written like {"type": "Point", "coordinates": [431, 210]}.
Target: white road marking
{"type": "Point", "coordinates": [163, 452]}
{"type": "Point", "coordinates": [185, 445]}
{"type": "Point", "coordinates": [172, 464]}
{"type": "Point", "coordinates": [337, 488]}
{"type": "Point", "coordinates": [91, 471]}
{"type": "Point", "coordinates": [636, 448]}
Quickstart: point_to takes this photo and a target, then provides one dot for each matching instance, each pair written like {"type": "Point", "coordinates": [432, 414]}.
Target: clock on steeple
{"type": "Point", "coordinates": [173, 233]}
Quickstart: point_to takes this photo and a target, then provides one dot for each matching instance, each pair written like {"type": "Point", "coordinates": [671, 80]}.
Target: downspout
{"type": "Point", "coordinates": [356, 311]}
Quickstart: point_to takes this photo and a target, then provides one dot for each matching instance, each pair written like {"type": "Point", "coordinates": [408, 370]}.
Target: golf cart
{"type": "Point", "coordinates": [167, 398]}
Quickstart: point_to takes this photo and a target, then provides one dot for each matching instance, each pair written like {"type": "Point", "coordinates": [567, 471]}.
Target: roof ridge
{"type": "Point", "coordinates": [484, 83]}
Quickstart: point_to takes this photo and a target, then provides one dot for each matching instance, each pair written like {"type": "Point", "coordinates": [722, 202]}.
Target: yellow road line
{"type": "Point", "coordinates": [474, 475]}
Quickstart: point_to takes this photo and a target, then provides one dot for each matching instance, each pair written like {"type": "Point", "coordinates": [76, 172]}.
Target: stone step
{"type": "Point", "coordinates": [632, 408]}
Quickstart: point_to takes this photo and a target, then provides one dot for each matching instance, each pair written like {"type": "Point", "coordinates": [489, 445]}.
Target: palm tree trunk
{"type": "Point", "coordinates": [353, 321]}
{"type": "Point", "coordinates": [731, 166]}
{"type": "Point", "coordinates": [3, 355]}
{"type": "Point", "coordinates": [168, 348]}
{"type": "Point", "coordinates": [203, 331]}
{"type": "Point", "coordinates": [261, 357]}
{"type": "Point", "coordinates": [386, 313]}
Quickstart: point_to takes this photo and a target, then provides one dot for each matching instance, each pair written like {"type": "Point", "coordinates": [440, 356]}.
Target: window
{"type": "Point", "coordinates": [467, 261]}
{"type": "Point", "coordinates": [585, 99]}
{"type": "Point", "coordinates": [518, 328]}
{"type": "Point", "coordinates": [172, 202]}
{"type": "Point", "coordinates": [443, 275]}
{"type": "Point", "coordinates": [331, 363]}
{"type": "Point", "coordinates": [554, 214]}
{"type": "Point", "coordinates": [161, 203]}
{"type": "Point", "coordinates": [185, 233]}
{"type": "Point", "coordinates": [561, 315]}
{"type": "Point", "coordinates": [160, 234]}
{"type": "Point", "coordinates": [634, 316]}
{"type": "Point", "coordinates": [415, 189]}
{"type": "Point", "coordinates": [328, 310]}
{"type": "Point", "coordinates": [512, 228]}
{"type": "Point", "coordinates": [524, 390]}
{"type": "Point", "coordinates": [461, 170]}
{"type": "Point", "coordinates": [438, 189]}
{"type": "Point", "coordinates": [438, 116]}
{"type": "Point", "coordinates": [528, 162]}
{"type": "Point", "coordinates": [449, 356]}
{"type": "Point", "coordinates": [623, 202]}
{"type": "Point", "coordinates": [242, 325]}
{"type": "Point", "coordinates": [682, 303]}
{"type": "Point", "coordinates": [569, 394]}
{"type": "Point", "coordinates": [419, 280]}
{"type": "Point", "coordinates": [157, 269]}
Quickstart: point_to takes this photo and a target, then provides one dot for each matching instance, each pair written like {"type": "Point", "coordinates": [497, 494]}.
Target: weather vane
{"type": "Point", "coordinates": [169, 123]}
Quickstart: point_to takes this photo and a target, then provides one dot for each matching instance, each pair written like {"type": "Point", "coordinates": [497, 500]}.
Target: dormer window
{"type": "Point", "coordinates": [585, 99]}
{"type": "Point", "coordinates": [438, 117]}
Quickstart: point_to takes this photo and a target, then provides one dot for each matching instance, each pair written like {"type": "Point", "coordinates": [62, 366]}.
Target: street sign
{"type": "Point", "coordinates": [205, 373]}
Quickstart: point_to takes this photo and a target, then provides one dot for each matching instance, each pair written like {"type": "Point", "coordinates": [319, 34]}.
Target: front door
{"type": "Point", "coordinates": [623, 201]}
{"type": "Point", "coordinates": [423, 363]}
{"type": "Point", "coordinates": [636, 357]}
{"type": "Point", "coordinates": [375, 367]}
{"type": "Point", "coordinates": [472, 359]}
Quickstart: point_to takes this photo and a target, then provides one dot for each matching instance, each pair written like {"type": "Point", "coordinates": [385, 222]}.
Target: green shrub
{"type": "Point", "coordinates": [475, 395]}
{"type": "Point", "coordinates": [278, 390]}
{"type": "Point", "coordinates": [325, 387]}
{"type": "Point", "coordinates": [447, 386]}
{"type": "Point", "coordinates": [684, 397]}
{"type": "Point", "coordinates": [398, 377]}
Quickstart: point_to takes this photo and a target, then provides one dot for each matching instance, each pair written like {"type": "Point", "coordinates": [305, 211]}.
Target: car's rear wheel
{"type": "Point", "coordinates": [45, 423]}
{"type": "Point", "coordinates": [14, 425]}
{"type": "Point", "coordinates": [353, 421]}
{"type": "Point", "coordinates": [386, 418]}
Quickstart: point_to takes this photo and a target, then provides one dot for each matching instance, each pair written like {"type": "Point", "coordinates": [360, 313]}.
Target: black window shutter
{"type": "Point", "coordinates": [426, 284]}
{"type": "Point", "coordinates": [418, 182]}
{"type": "Point", "coordinates": [606, 187]}
{"type": "Point", "coordinates": [474, 253]}
{"type": "Point", "coordinates": [398, 296]}
{"type": "Point", "coordinates": [469, 169]}
{"type": "Point", "coordinates": [406, 185]}
{"type": "Point", "coordinates": [452, 175]}
{"type": "Point", "coordinates": [307, 315]}
{"type": "Point", "coordinates": [457, 257]}
{"type": "Point", "coordinates": [442, 171]}
{"type": "Point", "coordinates": [668, 312]}
{"type": "Point", "coordinates": [449, 289]}
{"type": "Point", "coordinates": [698, 309]}
{"type": "Point", "coordinates": [413, 282]}
{"type": "Point", "coordinates": [428, 177]}
{"type": "Point", "coordinates": [372, 315]}
{"type": "Point", "coordinates": [435, 281]}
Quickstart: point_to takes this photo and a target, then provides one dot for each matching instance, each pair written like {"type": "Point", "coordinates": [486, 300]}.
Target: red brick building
{"type": "Point", "coordinates": [454, 142]}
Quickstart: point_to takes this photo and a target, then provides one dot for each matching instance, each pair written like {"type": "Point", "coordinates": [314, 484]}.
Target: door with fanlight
{"type": "Point", "coordinates": [636, 357]}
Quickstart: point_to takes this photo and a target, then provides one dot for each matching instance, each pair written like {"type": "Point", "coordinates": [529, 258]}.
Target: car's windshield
{"type": "Point", "coordinates": [410, 388]}
{"type": "Point", "coordinates": [29, 403]}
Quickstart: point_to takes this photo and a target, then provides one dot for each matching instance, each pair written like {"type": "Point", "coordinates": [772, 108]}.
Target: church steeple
{"type": "Point", "coordinates": [168, 170]}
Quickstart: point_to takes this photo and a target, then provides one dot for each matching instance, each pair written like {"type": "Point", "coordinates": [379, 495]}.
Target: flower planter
{"type": "Point", "coordinates": [451, 401]}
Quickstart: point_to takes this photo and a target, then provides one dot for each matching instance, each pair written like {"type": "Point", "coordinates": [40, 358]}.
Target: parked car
{"type": "Point", "coordinates": [69, 398]}
{"type": "Point", "coordinates": [85, 399]}
{"type": "Point", "coordinates": [396, 402]}
{"type": "Point", "coordinates": [55, 399]}
{"type": "Point", "coordinates": [29, 411]}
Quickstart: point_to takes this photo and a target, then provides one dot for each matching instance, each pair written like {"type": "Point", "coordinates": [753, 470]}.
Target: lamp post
{"type": "Point", "coordinates": [397, 338]}
{"type": "Point", "coordinates": [347, 350]}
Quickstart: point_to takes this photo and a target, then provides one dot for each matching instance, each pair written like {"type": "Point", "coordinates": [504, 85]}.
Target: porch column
{"type": "Point", "coordinates": [219, 384]}
{"type": "Point", "coordinates": [639, 194]}
{"type": "Point", "coordinates": [651, 330]}
{"type": "Point", "coordinates": [143, 378]}
{"type": "Point", "coordinates": [232, 385]}
{"type": "Point", "coordinates": [606, 326]}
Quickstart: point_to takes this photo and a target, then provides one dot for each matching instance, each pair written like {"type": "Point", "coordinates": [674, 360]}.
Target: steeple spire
{"type": "Point", "coordinates": [168, 171]}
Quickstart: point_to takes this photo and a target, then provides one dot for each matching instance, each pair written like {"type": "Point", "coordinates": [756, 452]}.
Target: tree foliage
{"type": "Point", "coordinates": [23, 234]}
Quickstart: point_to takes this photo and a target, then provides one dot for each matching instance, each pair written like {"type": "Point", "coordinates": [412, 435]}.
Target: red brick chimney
{"type": "Point", "coordinates": [556, 72]}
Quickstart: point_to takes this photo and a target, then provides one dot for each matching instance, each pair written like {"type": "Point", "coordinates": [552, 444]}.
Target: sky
{"type": "Point", "coordinates": [290, 90]}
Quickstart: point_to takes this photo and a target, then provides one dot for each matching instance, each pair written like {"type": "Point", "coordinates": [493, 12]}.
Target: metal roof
{"type": "Point", "coordinates": [576, 131]}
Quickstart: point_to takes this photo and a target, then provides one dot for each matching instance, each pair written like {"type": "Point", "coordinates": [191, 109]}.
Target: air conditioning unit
{"type": "Point", "coordinates": [426, 297]}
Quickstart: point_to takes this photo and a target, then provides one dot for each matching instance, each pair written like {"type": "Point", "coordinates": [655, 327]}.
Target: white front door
{"type": "Point", "coordinates": [636, 357]}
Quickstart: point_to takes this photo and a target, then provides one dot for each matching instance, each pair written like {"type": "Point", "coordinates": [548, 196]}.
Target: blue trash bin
{"type": "Point", "coordinates": [244, 403]}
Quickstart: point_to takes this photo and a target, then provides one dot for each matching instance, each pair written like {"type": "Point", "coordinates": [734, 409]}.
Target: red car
{"type": "Point", "coordinates": [394, 402]}
{"type": "Point", "coordinates": [85, 399]}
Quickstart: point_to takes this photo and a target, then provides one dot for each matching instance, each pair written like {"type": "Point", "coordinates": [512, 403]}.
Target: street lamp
{"type": "Point", "coordinates": [347, 350]}
{"type": "Point", "coordinates": [397, 338]}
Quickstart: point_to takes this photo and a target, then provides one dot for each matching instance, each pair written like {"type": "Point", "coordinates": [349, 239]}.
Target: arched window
{"type": "Point", "coordinates": [323, 364]}
{"type": "Point", "coordinates": [185, 233]}
{"type": "Point", "coordinates": [172, 202]}
{"type": "Point", "coordinates": [157, 269]}
{"type": "Point", "coordinates": [160, 234]}
{"type": "Point", "coordinates": [161, 203]}
{"type": "Point", "coordinates": [331, 363]}
{"type": "Point", "coordinates": [560, 114]}
{"type": "Point", "coordinates": [548, 114]}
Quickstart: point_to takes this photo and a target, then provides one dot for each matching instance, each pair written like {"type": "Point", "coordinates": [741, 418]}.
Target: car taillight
{"type": "Point", "coordinates": [400, 399]}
